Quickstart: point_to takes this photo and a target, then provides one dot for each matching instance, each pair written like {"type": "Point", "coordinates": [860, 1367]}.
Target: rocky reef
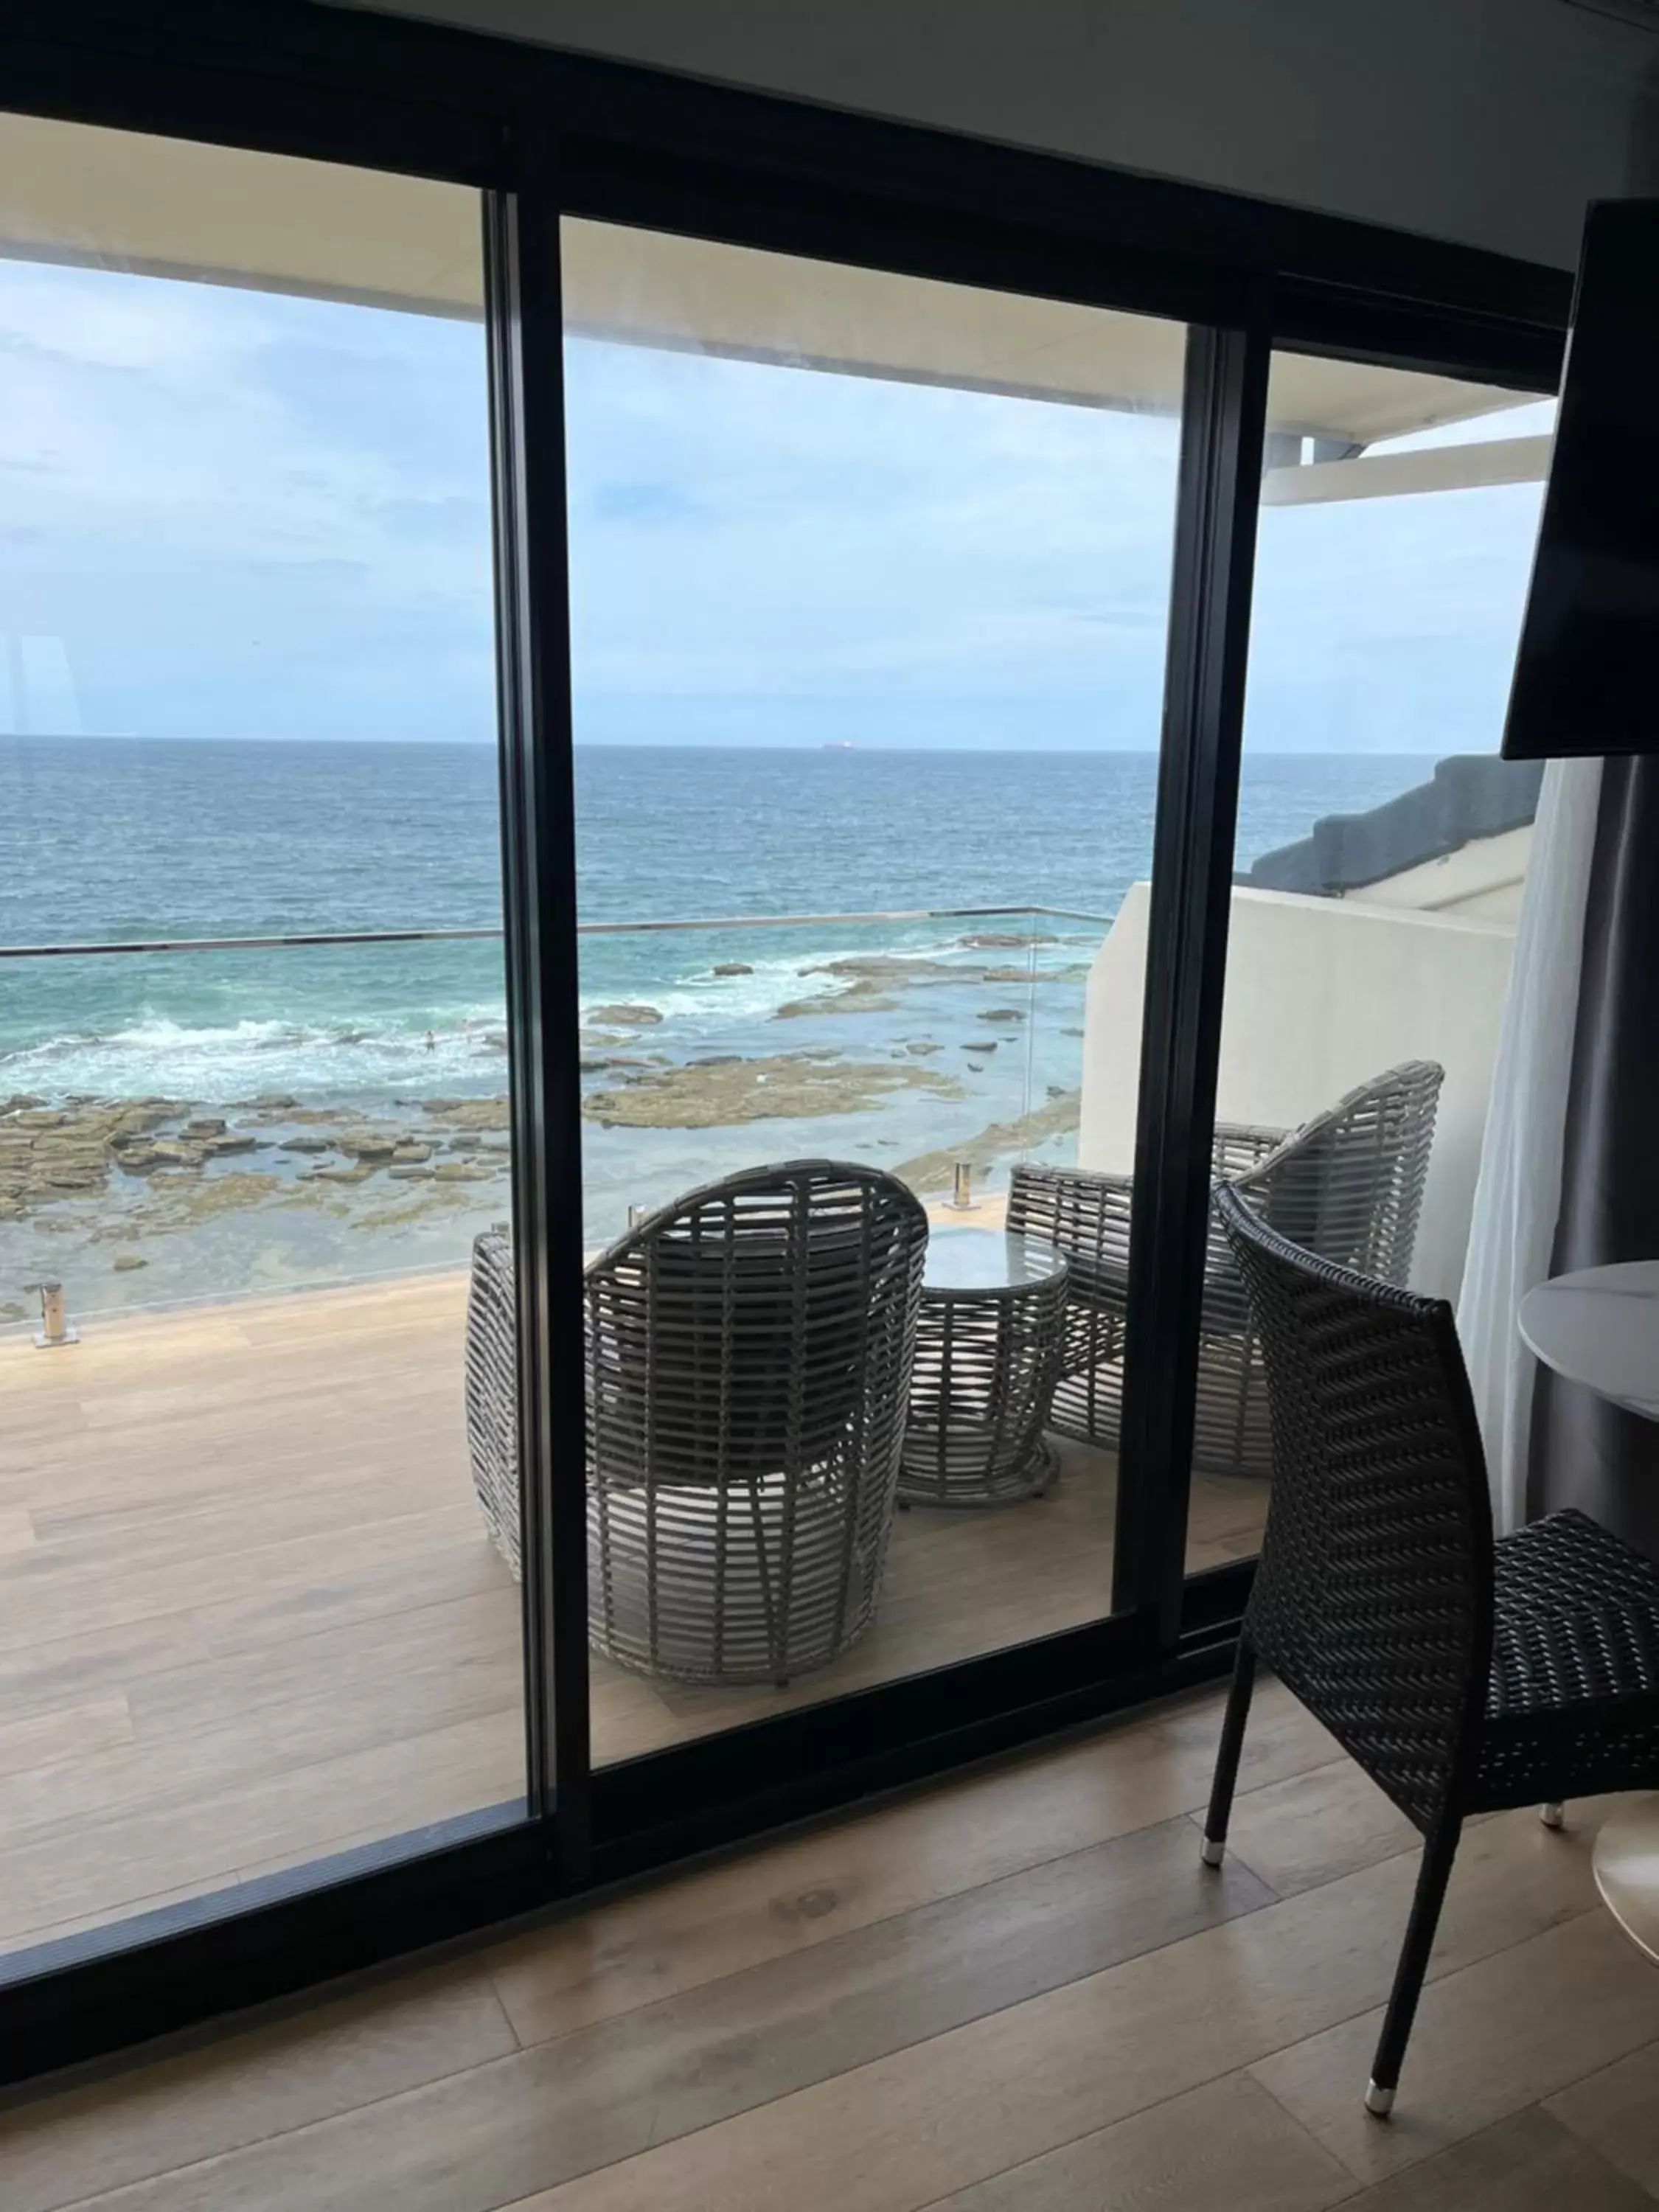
{"type": "Point", "coordinates": [51, 1153]}
{"type": "Point", "coordinates": [157, 1164]}
{"type": "Point", "coordinates": [1056, 1117]}
{"type": "Point", "coordinates": [868, 983]}
{"type": "Point", "coordinates": [717, 1093]}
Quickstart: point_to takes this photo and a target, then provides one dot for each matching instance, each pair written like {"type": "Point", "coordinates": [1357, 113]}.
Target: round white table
{"type": "Point", "coordinates": [1600, 1327]}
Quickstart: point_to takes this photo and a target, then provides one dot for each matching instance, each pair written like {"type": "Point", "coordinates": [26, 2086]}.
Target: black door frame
{"type": "Point", "coordinates": [540, 134]}
{"type": "Point", "coordinates": [1225, 419]}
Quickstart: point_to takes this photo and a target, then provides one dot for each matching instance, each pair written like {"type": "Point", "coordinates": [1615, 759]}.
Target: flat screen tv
{"type": "Point", "coordinates": [1587, 674]}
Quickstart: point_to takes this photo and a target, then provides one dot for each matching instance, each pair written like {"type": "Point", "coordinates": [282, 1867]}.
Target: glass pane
{"type": "Point", "coordinates": [869, 579]}
{"type": "Point", "coordinates": [1382, 850]}
{"type": "Point", "coordinates": [249, 1616]}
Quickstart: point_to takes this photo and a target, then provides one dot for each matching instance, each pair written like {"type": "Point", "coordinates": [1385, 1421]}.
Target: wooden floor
{"type": "Point", "coordinates": [1020, 1990]}
{"type": "Point", "coordinates": [248, 1614]}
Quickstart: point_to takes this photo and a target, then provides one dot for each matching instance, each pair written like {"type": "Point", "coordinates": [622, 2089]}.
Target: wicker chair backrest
{"type": "Point", "coordinates": [738, 1332]}
{"type": "Point", "coordinates": [1373, 1599]}
{"type": "Point", "coordinates": [1348, 1185]}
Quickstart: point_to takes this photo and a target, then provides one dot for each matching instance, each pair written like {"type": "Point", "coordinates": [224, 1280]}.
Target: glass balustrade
{"type": "Point", "coordinates": [220, 1121]}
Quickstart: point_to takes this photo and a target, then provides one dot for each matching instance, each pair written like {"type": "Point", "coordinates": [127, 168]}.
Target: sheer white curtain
{"type": "Point", "coordinates": [1517, 1193]}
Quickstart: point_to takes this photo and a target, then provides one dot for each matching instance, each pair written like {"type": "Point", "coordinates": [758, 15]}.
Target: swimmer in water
{"type": "Point", "coordinates": [431, 1042]}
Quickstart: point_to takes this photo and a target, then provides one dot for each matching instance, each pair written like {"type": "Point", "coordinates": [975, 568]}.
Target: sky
{"type": "Point", "coordinates": [227, 513]}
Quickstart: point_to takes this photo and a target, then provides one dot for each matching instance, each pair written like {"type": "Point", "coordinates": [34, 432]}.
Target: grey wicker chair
{"type": "Point", "coordinates": [1346, 1185]}
{"type": "Point", "coordinates": [747, 1366]}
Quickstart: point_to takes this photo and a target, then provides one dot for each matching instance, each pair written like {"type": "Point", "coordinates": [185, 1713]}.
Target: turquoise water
{"type": "Point", "coordinates": [104, 839]}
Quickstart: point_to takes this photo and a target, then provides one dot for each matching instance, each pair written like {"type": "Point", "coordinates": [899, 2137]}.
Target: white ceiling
{"type": "Point", "coordinates": [110, 198]}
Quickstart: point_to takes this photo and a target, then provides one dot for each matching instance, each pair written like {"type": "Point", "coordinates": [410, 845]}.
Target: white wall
{"type": "Point", "coordinates": [1484, 878]}
{"type": "Point", "coordinates": [1488, 121]}
{"type": "Point", "coordinates": [1322, 995]}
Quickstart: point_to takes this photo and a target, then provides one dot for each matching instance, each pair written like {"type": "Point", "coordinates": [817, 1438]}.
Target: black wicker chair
{"type": "Point", "coordinates": [1464, 1677]}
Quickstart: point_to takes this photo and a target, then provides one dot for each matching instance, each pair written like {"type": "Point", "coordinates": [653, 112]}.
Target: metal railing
{"type": "Point", "coordinates": [92, 950]}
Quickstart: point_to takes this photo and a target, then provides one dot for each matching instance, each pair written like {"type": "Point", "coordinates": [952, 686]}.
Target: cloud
{"type": "Point", "coordinates": [247, 515]}
{"type": "Point", "coordinates": [1389, 625]}
{"type": "Point", "coordinates": [856, 539]}
{"type": "Point", "coordinates": [240, 515]}
{"type": "Point", "coordinates": [653, 502]}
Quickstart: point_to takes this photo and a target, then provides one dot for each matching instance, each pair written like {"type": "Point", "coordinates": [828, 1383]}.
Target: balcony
{"type": "Point", "coordinates": [252, 1613]}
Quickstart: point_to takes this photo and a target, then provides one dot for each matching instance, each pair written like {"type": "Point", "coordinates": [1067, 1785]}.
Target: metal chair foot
{"type": "Point", "coordinates": [1553, 1816]}
{"type": "Point", "coordinates": [1379, 2101]}
{"type": "Point", "coordinates": [1212, 1851]}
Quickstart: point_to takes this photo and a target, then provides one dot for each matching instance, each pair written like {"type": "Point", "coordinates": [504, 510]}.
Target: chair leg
{"type": "Point", "coordinates": [1226, 1758]}
{"type": "Point", "coordinates": [1432, 1876]}
{"type": "Point", "coordinates": [1553, 1815]}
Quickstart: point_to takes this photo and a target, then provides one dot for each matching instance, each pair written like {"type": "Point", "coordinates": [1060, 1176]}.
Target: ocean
{"type": "Point", "coordinates": [888, 1049]}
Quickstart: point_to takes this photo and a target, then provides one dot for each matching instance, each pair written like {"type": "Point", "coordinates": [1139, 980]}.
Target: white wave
{"type": "Point", "coordinates": [156, 1056]}
{"type": "Point", "coordinates": [698, 1000]}
{"type": "Point", "coordinates": [214, 1062]}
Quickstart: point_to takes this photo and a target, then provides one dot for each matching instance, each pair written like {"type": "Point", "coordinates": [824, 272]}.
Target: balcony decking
{"type": "Point", "coordinates": [248, 1614]}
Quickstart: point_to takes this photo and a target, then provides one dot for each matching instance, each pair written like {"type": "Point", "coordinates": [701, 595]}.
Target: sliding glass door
{"type": "Point", "coordinates": [1380, 855]}
{"type": "Point", "coordinates": [253, 1065]}
{"type": "Point", "coordinates": [869, 579]}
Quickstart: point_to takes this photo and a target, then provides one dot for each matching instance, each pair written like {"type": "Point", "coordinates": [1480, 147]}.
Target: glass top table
{"type": "Point", "coordinates": [988, 1345]}
{"type": "Point", "coordinates": [988, 1260]}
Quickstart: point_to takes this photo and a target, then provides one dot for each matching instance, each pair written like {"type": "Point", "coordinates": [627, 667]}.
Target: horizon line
{"type": "Point", "coordinates": [697, 745]}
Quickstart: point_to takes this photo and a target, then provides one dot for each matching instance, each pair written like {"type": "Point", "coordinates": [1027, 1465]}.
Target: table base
{"type": "Point", "coordinates": [1627, 1863]}
{"type": "Point", "coordinates": [968, 1480]}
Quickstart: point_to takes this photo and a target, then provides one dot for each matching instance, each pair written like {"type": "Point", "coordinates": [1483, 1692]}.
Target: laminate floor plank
{"type": "Point", "coordinates": [68, 1734]}
{"type": "Point", "coordinates": [1616, 2111]}
{"type": "Point", "coordinates": [239, 2089]}
{"type": "Point", "coordinates": [1526, 2164]}
{"type": "Point", "coordinates": [1314, 1826]}
{"type": "Point", "coordinates": [801, 1892]}
{"type": "Point", "coordinates": [1503, 2033]}
{"type": "Point", "coordinates": [1226, 2148]}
